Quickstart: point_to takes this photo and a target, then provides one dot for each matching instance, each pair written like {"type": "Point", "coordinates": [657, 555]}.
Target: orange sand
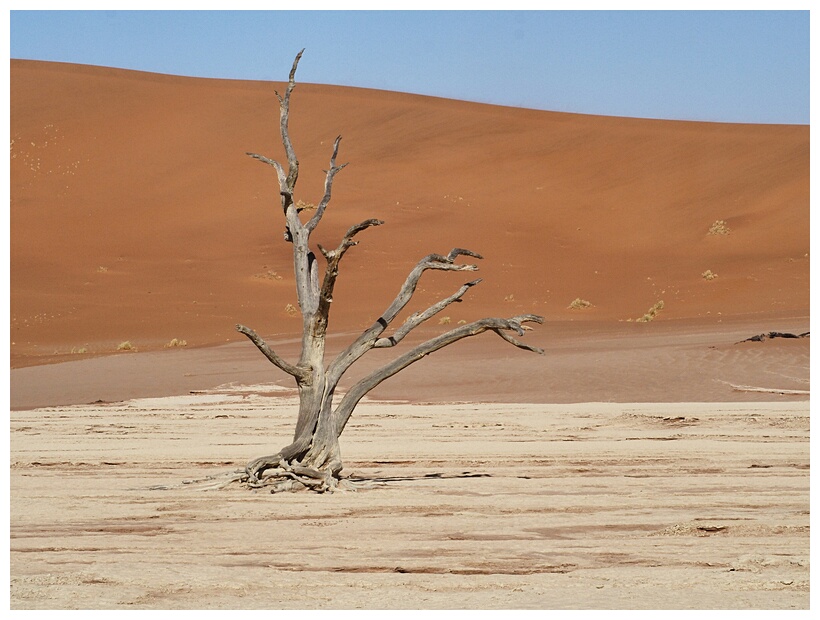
{"type": "Point", "coordinates": [136, 216]}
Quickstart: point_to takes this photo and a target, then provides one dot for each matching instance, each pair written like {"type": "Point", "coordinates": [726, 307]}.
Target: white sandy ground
{"type": "Point", "coordinates": [482, 506]}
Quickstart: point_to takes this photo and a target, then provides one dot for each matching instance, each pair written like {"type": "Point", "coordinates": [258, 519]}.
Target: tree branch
{"type": "Point", "coordinates": [280, 173]}
{"type": "Point", "coordinates": [420, 317]}
{"type": "Point", "coordinates": [300, 374]}
{"type": "Point", "coordinates": [284, 109]}
{"type": "Point", "coordinates": [334, 257]}
{"type": "Point", "coordinates": [358, 391]}
{"type": "Point", "coordinates": [432, 261]}
{"type": "Point", "coordinates": [287, 182]}
{"type": "Point", "coordinates": [330, 173]}
{"type": "Point", "coordinates": [368, 338]}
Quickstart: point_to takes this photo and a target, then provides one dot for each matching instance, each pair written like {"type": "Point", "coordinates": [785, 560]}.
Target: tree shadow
{"type": "Point", "coordinates": [439, 475]}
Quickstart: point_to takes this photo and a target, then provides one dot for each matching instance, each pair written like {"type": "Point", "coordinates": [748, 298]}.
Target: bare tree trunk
{"type": "Point", "coordinates": [313, 459]}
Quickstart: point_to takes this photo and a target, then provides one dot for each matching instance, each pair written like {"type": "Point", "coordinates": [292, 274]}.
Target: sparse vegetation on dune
{"type": "Point", "coordinates": [709, 275]}
{"type": "Point", "coordinates": [719, 228]}
{"type": "Point", "coordinates": [301, 205]}
{"type": "Point", "coordinates": [175, 342]}
{"type": "Point", "coordinates": [651, 313]}
{"type": "Point", "coordinates": [126, 346]}
{"type": "Point", "coordinates": [268, 275]}
{"type": "Point", "coordinates": [752, 185]}
{"type": "Point", "coordinates": [579, 304]}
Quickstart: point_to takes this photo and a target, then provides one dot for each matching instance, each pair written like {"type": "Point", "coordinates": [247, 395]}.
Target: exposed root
{"type": "Point", "coordinates": [208, 483]}
{"type": "Point", "coordinates": [294, 477]}
{"type": "Point", "coordinates": [290, 478]}
{"type": "Point", "coordinates": [257, 467]}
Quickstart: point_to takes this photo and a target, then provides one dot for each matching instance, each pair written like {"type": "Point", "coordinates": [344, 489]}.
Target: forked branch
{"type": "Point", "coordinates": [367, 340]}
{"type": "Point", "coordinates": [329, 174]}
{"type": "Point", "coordinates": [333, 257]}
{"type": "Point", "coordinates": [418, 318]}
{"type": "Point", "coordinates": [500, 326]}
{"type": "Point", "coordinates": [284, 110]}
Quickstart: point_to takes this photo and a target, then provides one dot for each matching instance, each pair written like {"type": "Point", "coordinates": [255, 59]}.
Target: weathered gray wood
{"type": "Point", "coordinates": [358, 391]}
{"type": "Point", "coordinates": [313, 459]}
{"type": "Point", "coordinates": [329, 175]}
{"type": "Point", "coordinates": [418, 318]}
{"type": "Point", "coordinates": [300, 374]}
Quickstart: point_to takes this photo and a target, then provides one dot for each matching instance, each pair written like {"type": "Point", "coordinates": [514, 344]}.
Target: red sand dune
{"type": "Point", "coordinates": [136, 215]}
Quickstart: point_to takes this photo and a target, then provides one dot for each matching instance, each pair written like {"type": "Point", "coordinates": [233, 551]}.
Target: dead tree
{"type": "Point", "coordinates": [313, 460]}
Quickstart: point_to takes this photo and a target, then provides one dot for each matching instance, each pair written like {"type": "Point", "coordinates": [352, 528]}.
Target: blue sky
{"type": "Point", "coordinates": [691, 65]}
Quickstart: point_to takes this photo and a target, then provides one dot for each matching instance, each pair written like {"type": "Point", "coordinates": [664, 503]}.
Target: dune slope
{"type": "Point", "coordinates": [136, 215]}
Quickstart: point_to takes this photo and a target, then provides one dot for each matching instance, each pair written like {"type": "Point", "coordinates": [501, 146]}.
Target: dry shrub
{"type": "Point", "coordinates": [126, 346]}
{"type": "Point", "coordinates": [445, 320]}
{"type": "Point", "coordinates": [719, 228]}
{"type": "Point", "coordinates": [652, 313]}
{"type": "Point", "coordinates": [175, 342]}
{"type": "Point", "coordinates": [291, 310]}
{"type": "Point", "coordinates": [579, 304]}
{"type": "Point", "coordinates": [709, 275]}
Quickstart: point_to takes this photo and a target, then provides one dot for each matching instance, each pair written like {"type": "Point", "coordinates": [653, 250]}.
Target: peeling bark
{"type": "Point", "coordinates": [313, 459]}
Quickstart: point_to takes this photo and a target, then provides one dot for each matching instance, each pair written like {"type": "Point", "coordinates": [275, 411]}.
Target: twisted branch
{"type": "Point", "coordinates": [358, 391]}
{"type": "Point", "coordinates": [333, 258]}
{"type": "Point", "coordinates": [367, 340]}
{"type": "Point", "coordinates": [284, 109]}
{"type": "Point", "coordinates": [418, 318]}
{"type": "Point", "coordinates": [300, 374]}
{"type": "Point", "coordinates": [329, 174]}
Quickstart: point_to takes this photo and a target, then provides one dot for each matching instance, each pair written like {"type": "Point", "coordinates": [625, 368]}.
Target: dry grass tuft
{"type": "Point", "coordinates": [175, 342]}
{"type": "Point", "coordinates": [301, 205]}
{"type": "Point", "coordinates": [719, 228]}
{"type": "Point", "coordinates": [579, 304]}
{"type": "Point", "coordinates": [291, 310]}
{"type": "Point", "coordinates": [709, 275]}
{"type": "Point", "coordinates": [126, 346]}
{"type": "Point", "coordinates": [445, 320]}
{"type": "Point", "coordinates": [652, 313]}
